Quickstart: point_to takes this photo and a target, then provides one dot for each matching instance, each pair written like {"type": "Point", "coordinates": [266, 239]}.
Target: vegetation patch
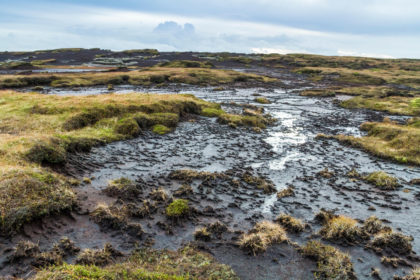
{"type": "Point", "coordinates": [261, 183]}
{"type": "Point", "coordinates": [414, 275]}
{"type": "Point", "coordinates": [160, 129]}
{"type": "Point", "coordinates": [202, 234]}
{"type": "Point", "coordinates": [114, 218]}
{"type": "Point", "coordinates": [101, 257]}
{"type": "Point", "coordinates": [243, 120]}
{"type": "Point", "coordinates": [389, 140]}
{"type": "Point", "coordinates": [342, 228]}
{"type": "Point", "coordinates": [26, 196]}
{"type": "Point", "coordinates": [318, 93]}
{"type": "Point", "coordinates": [262, 100]}
{"type": "Point", "coordinates": [187, 64]}
{"type": "Point", "coordinates": [212, 112]}
{"type": "Point", "coordinates": [331, 262]}
{"type": "Point", "coordinates": [290, 223]}
{"type": "Point", "coordinates": [146, 76]}
{"type": "Point", "coordinates": [123, 188]}
{"type": "Point", "coordinates": [177, 209]}
{"type": "Point", "coordinates": [391, 241]}
{"type": "Point", "coordinates": [263, 235]}
{"type": "Point", "coordinates": [289, 191]}
{"type": "Point", "coordinates": [382, 180]}
{"type": "Point", "coordinates": [372, 225]}
{"type": "Point", "coordinates": [394, 105]}
{"type": "Point", "coordinates": [189, 175]}
{"type": "Point", "coordinates": [128, 127]}
{"type": "Point", "coordinates": [185, 264]}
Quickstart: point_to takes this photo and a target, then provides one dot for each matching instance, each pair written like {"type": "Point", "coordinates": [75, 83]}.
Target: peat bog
{"type": "Point", "coordinates": [150, 165]}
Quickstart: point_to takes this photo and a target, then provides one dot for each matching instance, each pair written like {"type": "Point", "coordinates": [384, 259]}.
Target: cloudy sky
{"type": "Point", "coordinates": [379, 28]}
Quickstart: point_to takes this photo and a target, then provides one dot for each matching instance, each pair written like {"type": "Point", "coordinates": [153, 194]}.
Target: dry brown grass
{"type": "Point", "coordinates": [290, 223]}
{"type": "Point", "coordinates": [262, 236]}
{"type": "Point", "coordinates": [389, 140]}
{"type": "Point", "coordinates": [342, 228]}
{"type": "Point", "coordinates": [146, 76]}
{"type": "Point", "coordinates": [331, 262]}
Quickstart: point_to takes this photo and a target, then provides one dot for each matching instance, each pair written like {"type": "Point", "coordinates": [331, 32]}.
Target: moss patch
{"type": "Point", "coordinates": [160, 129]}
{"type": "Point", "coordinates": [382, 180]}
{"type": "Point", "coordinates": [262, 100]}
{"type": "Point", "coordinates": [178, 208]}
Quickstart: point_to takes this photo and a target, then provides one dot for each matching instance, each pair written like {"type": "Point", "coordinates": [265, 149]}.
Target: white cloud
{"type": "Point", "coordinates": [41, 27]}
{"type": "Point", "coordinates": [273, 50]}
{"type": "Point", "coordinates": [353, 53]}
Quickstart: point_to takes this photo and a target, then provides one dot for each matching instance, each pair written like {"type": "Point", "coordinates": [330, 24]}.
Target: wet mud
{"type": "Point", "coordinates": [285, 154]}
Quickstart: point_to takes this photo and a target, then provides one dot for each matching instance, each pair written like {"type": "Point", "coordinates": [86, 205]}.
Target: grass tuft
{"type": "Point", "coordinates": [382, 180]}
{"type": "Point", "coordinates": [331, 262]}
{"type": "Point", "coordinates": [263, 235]}
{"type": "Point", "coordinates": [290, 223]}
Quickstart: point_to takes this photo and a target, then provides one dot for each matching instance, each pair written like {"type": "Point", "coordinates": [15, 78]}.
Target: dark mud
{"type": "Point", "coordinates": [287, 153]}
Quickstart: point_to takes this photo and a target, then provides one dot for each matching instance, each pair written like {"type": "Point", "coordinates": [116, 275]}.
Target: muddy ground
{"type": "Point", "coordinates": [287, 153]}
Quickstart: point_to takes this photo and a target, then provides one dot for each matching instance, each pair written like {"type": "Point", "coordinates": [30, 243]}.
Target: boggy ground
{"type": "Point", "coordinates": [244, 170]}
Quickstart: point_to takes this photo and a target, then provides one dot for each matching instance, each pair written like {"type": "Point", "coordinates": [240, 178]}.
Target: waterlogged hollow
{"type": "Point", "coordinates": [287, 153]}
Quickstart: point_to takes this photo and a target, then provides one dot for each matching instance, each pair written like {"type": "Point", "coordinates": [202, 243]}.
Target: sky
{"type": "Point", "coordinates": [376, 28]}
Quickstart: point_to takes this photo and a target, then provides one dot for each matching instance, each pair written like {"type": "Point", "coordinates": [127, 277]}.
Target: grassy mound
{"type": "Point", "coordinates": [290, 223]}
{"type": "Point", "coordinates": [29, 195]}
{"type": "Point", "coordinates": [262, 236]}
{"type": "Point", "coordinates": [342, 228]}
{"type": "Point", "coordinates": [262, 100]}
{"type": "Point", "coordinates": [332, 263]}
{"type": "Point", "coordinates": [395, 104]}
{"type": "Point", "coordinates": [389, 140]}
{"type": "Point", "coordinates": [382, 180]}
{"type": "Point", "coordinates": [389, 240]}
